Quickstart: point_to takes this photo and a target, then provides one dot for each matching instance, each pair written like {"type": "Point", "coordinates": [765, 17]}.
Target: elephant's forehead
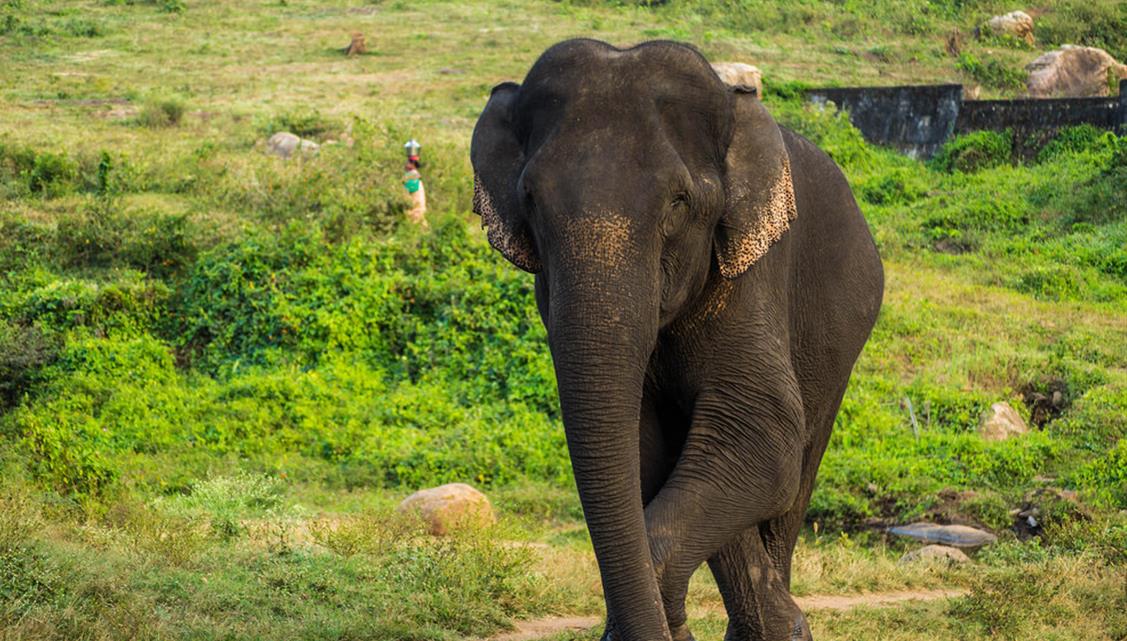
{"type": "Point", "coordinates": [575, 70]}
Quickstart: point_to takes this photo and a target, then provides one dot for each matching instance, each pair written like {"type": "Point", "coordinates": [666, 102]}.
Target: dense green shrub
{"type": "Point", "coordinates": [974, 151]}
{"type": "Point", "coordinates": [1072, 140]}
{"type": "Point", "coordinates": [126, 304]}
{"type": "Point", "coordinates": [439, 302]}
{"type": "Point", "coordinates": [893, 188]}
{"type": "Point", "coordinates": [47, 173]}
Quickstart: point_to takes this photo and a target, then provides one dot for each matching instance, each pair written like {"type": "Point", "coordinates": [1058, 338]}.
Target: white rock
{"type": "Point", "coordinates": [740, 74]}
{"type": "Point", "coordinates": [1001, 423]}
{"type": "Point", "coordinates": [1018, 24]}
{"type": "Point", "coordinates": [959, 536]}
{"type": "Point", "coordinates": [285, 144]}
{"type": "Point", "coordinates": [1073, 72]}
{"type": "Point", "coordinates": [449, 507]}
{"type": "Point", "coordinates": [934, 554]}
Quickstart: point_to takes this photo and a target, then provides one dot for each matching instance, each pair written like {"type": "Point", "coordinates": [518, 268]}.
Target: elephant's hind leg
{"type": "Point", "coordinates": [755, 595]}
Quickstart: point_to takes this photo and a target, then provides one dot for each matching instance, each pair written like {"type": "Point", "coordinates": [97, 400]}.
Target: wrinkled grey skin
{"type": "Point", "coordinates": [707, 282]}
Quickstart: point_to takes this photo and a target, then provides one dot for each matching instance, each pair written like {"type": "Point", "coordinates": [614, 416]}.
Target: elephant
{"type": "Point", "coordinates": [707, 282]}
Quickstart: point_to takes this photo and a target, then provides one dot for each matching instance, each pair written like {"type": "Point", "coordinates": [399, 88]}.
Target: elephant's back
{"type": "Point", "coordinates": [838, 276]}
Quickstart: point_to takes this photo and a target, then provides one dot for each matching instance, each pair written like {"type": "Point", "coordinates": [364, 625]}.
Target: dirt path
{"type": "Point", "coordinates": [538, 628]}
{"type": "Point", "coordinates": [541, 628]}
{"type": "Point", "coordinates": [848, 601]}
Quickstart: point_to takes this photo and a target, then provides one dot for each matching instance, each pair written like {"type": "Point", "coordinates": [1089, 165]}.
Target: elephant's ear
{"type": "Point", "coordinates": [498, 160]}
{"type": "Point", "coordinates": [759, 192]}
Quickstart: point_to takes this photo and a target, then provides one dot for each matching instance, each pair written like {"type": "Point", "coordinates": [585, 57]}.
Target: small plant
{"type": "Point", "coordinates": [161, 112]}
{"type": "Point", "coordinates": [226, 501]}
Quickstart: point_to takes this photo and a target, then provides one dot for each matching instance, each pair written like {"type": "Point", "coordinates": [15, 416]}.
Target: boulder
{"type": "Point", "coordinates": [285, 144]}
{"type": "Point", "coordinates": [1073, 72]}
{"type": "Point", "coordinates": [1018, 24]}
{"type": "Point", "coordinates": [449, 507]}
{"type": "Point", "coordinates": [740, 74]}
{"type": "Point", "coordinates": [936, 554]}
{"type": "Point", "coordinates": [958, 536]}
{"type": "Point", "coordinates": [1001, 423]}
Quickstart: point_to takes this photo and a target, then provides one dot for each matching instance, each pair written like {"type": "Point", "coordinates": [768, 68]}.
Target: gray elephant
{"type": "Point", "coordinates": [707, 283]}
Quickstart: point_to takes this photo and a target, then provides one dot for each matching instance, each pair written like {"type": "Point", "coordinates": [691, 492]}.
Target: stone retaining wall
{"type": "Point", "coordinates": [917, 120]}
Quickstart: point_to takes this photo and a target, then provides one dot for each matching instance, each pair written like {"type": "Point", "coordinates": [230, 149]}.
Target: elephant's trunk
{"type": "Point", "coordinates": [602, 332]}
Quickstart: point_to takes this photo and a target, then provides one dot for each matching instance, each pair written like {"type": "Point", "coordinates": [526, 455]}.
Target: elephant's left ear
{"type": "Point", "coordinates": [759, 192]}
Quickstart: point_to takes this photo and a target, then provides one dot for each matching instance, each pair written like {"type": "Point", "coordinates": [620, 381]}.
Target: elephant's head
{"type": "Point", "coordinates": [623, 179]}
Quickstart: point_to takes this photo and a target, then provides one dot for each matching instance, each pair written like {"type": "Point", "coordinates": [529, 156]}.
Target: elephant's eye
{"type": "Point", "coordinates": [680, 201]}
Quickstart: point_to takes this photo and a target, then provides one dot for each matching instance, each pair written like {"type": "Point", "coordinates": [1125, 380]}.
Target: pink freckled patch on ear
{"type": "Point", "coordinates": [500, 236]}
{"type": "Point", "coordinates": [772, 216]}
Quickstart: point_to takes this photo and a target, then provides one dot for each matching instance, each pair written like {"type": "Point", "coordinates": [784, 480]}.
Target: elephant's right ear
{"type": "Point", "coordinates": [498, 160]}
{"type": "Point", "coordinates": [760, 194]}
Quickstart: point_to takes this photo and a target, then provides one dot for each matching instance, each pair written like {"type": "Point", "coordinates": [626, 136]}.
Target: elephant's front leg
{"type": "Point", "coordinates": [755, 595]}
{"type": "Point", "coordinates": [740, 466]}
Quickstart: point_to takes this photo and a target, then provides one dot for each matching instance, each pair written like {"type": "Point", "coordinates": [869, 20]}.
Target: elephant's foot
{"type": "Point", "coordinates": [678, 632]}
{"type": "Point", "coordinates": [800, 631]}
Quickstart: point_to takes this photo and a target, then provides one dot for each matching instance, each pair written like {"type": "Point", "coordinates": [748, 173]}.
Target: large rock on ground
{"type": "Point", "coordinates": [935, 554]}
{"type": "Point", "coordinates": [958, 536]}
{"type": "Point", "coordinates": [449, 507]}
{"type": "Point", "coordinates": [740, 74]}
{"type": "Point", "coordinates": [1001, 423]}
{"type": "Point", "coordinates": [285, 144]}
{"type": "Point", "coordinates": [1018, 24]}
{"type": "Point", "coordinates": [1073, 72]}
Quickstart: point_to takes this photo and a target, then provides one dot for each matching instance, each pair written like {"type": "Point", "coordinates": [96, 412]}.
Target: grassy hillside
{"type": "Point", "coordinates": [219, 370]}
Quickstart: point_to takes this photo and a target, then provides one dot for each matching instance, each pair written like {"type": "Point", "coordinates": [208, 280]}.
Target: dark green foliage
{"type": "Point", "coordinates": [1093, 24]}
{"type": "Point", "coordinates": [993, 73]}
{"type": "Point", "coordinates": [1074, 140]}
{"type": "Point", "coordinates": [302, 121]}
{"type": "Point", "coordinates": [24, 170]}
{"type": "Point", "coordinates": [23, 352]}
{"type": "Point", "coordinates": [893, 188]}
{"type": "Point", "coordinates": [974, 151]}
{"type": "Point", "coordinates": [40, 20]}
{"type": "Point", "coordinates": [104, 235]}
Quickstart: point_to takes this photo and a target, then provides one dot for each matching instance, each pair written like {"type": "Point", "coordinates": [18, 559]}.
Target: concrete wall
{"type": "Point", "coordinates": [917, 120]}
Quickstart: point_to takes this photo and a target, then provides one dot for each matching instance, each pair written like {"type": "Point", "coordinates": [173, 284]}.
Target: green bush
{"type": "Point", "coordinates": [974, 151]}
{"type": "Point", "coordinates": [103, 234]}
{"type": "Point", "coordinates": [128, 304]}
{"type": "Point", "coordinates": [1073, 140]}
{"type": "Point", "coordinates": [161, 112]}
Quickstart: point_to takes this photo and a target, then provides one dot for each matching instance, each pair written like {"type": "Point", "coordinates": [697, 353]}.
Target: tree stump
{"type": "Point", "coordinates": [356, 47]}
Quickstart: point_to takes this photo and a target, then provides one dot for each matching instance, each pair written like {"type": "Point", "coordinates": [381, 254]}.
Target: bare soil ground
{"type": "Point", "coordinates": [550, 626]}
